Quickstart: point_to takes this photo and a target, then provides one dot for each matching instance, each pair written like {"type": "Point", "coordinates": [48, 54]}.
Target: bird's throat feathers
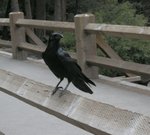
{"type": "Point", "coordinates": [53, 45]}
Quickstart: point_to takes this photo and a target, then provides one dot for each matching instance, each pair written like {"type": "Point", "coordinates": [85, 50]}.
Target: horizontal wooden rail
{"type": "Point", "coordinates": [5, 43]}
{"type": "Point", "coordinates": [99, 61]}
{"type": "Point", "coordinates": [4, 21]}
{"type": "Point", "coordinates": [120, 65]}
{"type": "Point", "coordinates": [31, 47]}
{"type": "Point", "coordinates": [119, 30]}
{"type": "Point", "coordinates": [38, 49]}
{"type": "Point", "coordinates": [92, 28]}
{"type": "Point", "coordinates": [49, 25]}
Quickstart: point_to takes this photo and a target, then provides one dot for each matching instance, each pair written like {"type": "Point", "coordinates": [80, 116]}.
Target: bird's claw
{"type": "Point", "coordinates": [60, 87]}
{"type": "Point", "coordinates": [62, 93]}
{"type": "Point", "coordinates": [55, 90]}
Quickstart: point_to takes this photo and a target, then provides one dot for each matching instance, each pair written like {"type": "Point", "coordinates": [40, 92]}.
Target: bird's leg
{"type": "Point", "coordinates": [63, 91]}
{"type": "Point", "coordinates": [56, 88]}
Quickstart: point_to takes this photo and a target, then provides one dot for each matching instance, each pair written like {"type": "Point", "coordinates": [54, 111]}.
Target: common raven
{"type": "Point", "coordinates": [63, 66]}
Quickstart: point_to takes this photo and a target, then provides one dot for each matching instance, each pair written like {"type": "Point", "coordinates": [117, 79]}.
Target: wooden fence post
{"type": "Point", "coordinates": [85, 44]}
{"type": "Point", "coordinates": [17, 35]}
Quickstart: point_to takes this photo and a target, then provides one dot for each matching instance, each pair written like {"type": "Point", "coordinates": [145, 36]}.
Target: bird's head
{"type": "Point", "coordinates": [54, 39]}
{"type": "Point", "coordinates": [56, 36]}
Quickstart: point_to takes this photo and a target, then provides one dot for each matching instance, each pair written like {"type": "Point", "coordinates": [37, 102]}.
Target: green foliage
{"type": "Point", "coordinates": [129, 49]}
{"type": "Point", "coordinates": [114, 13]}
{"type": "Point", "coordinates": [132, 49]}
{"type": "Point", "coordinates": [68, 42]}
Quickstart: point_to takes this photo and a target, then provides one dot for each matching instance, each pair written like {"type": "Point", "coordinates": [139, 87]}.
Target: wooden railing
{"type": "Point", "coordinates": [87, 34]}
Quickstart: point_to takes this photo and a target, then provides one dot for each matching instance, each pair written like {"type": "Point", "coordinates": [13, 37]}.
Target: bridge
{"type": "Point", "coordinates": [118, 106]}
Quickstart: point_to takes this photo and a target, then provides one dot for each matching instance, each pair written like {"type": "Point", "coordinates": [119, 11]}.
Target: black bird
{"type": "Point", "coordinates": [63, 66]}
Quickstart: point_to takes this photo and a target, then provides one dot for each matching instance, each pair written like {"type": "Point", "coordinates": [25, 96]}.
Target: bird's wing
{"type": "Point", "coordinates": [72, 68]}
{"type": "Point", "coordinates": [68, 63]}
{"type": "Point", "coordinates": [74, 72]}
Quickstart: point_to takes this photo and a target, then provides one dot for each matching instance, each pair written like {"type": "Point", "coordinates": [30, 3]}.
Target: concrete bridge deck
{"type": "Point", "coordinates": [119, 94]}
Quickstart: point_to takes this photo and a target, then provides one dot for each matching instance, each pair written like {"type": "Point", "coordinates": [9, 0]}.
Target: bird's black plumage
{"type": "Point", "coordinates": [63, 66]}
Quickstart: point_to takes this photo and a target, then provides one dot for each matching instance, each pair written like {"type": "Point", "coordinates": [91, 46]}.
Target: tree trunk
{"type": "Point", "coordinates": [14, 5]}
{"type": "Point", "coordinates": [33, 8]}
{"type": "Point", "coordinates": [40, 15]}
{"type": "Point", "coordinates": [41, 9]}
{"type": "Point", "coordinates": [28, 9]}
{"type": "Point", "coordinates": [5, 31]}
{"type": "Point", "coordinates": [76, 7]}
{"type": "Point", "coordinates": [60, 10]}
{"type": "Point", "coordinates": [63, 8]}
{"type": "Point", "coordinates": [8, 9]}
{"type": "Point", "coordinates": [57, 10]}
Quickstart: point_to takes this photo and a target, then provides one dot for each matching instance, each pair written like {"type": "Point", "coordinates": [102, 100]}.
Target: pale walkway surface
{"type": "Point", "coordinates": [24, 118]}
{"type": "Point", "coordinates": [18, 118]}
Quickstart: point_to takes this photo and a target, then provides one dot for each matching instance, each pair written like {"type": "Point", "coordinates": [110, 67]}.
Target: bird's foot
{"type": "Point", "coordinates": [62, 93]}
{"type": "Point", "coordinates": [55, 90]}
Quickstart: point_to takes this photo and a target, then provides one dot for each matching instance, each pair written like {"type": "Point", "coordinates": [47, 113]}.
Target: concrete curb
{"type": "Point", "coordinates": [92, 116]}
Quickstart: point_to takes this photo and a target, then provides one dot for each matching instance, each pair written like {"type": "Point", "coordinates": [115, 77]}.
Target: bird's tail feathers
{"type": "Point", "coordinates": [80, 84]}
{"type": "Point", "coordinates": [87, 80]}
